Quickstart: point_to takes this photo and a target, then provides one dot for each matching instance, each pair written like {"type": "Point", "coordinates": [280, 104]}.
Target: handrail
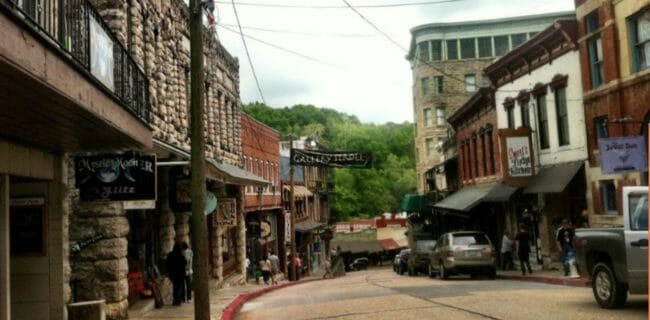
{"type": "Point", "coordinates": [78, 29]}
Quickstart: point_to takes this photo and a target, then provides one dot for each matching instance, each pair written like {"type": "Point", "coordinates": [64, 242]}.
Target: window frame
{"type": "Point", "coordinates": [439, 83]}
{"type": "Point", "coordinates": [608, 197]}
{"type": "Point", "coordinates": [562, 116]}
{"type": "Point", "coordinates": [490, 52]}
{"type": "Point", "coordinates": [636, 47]}
{"type": "Point", "coordinates": [468, 41]}
{"type": "Point", "coordinates": [542, 121]}
{"type": "Point", "coordinates": [467, 84]}
{"type": "Point", "coordinates": [441, 121]}
{"type": "Point", "coordinates": [456, 50]}
{"type": "Point", "coordinates": [425, 86]}
{"type": "Point", "coordinates": [428, 117]}
{"type": "Point", "coordinates": [507, 45]}
{"type": "Point", "coordinates": [430, 148]}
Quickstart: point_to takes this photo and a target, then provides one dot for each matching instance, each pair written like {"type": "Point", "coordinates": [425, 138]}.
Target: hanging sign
{"type": "Point", "coordinates": [226, 214]}
{"type": "Point", "coordinates": [519, 157]}
{"type": "Point", "coordinates": [116, 177]}
{"type": "Point", "coordinates": [314, 158]}
{"type": "Point", "coordinates": [623, 154]}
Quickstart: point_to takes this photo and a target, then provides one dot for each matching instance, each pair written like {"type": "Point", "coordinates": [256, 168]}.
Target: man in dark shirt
{"type": "Point", "coordinates": [523, 248]}
{"type": "Point", "coordinates": [564, 238]}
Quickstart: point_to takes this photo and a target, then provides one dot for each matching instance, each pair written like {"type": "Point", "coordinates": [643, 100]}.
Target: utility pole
{"type": "Point", "coordinates": [292, 201]}
{"type": "Point", "coordinates": [199, 232]}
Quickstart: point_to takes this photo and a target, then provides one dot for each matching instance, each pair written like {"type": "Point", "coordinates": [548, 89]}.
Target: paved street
{"type": "Point", "coordinates": [382, 294]}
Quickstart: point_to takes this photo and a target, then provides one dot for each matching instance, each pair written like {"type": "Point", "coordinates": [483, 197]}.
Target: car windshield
{"type": "Point", "coordinates": [465, 239]}
{"type": "Point", "coordinates": [425, 245]}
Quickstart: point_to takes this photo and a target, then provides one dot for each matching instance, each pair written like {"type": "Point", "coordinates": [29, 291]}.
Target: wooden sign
{"type": "Point", "coordinates": [226, 213]}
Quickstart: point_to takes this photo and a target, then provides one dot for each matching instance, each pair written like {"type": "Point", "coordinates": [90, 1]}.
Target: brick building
{"type": "Point", "coordinates": [616, 87]}
{"type": "Point", "coordinates": [447, 61]}
{"type": "Point", "coordinates": [265, 225]}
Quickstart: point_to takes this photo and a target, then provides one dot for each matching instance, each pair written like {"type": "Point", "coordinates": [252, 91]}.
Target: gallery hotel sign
{"type": "Point", "coordinates": [315, 158]}
{"type": "Point", "coordinates": [519, 157]}
{"type": "Point", "coordinates": [623, 154]}
{"type": "Point", "coordinates": [116, 177]}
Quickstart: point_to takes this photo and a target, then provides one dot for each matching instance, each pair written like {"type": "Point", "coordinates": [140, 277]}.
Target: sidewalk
{"type": "Point", "coordinates": [545, 276]}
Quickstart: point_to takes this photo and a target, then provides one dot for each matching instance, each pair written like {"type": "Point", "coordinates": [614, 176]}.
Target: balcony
{"type": "Point", "coordinates": [66, 82]}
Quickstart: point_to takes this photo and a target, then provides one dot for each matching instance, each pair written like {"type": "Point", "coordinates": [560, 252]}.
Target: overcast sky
{"type": "Point", "coordinates": [339, 60]}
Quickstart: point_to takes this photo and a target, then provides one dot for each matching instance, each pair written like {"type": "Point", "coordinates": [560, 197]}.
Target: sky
{"type": "Point", "coordinates": [332, 58]}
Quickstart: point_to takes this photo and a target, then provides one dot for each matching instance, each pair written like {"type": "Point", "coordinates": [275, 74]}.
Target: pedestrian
{"type": "Point", "coordinates": [506, 252]}
{"type": "Point", "coordinates": [275, 267]}
{"type": "Point", "coordinates": [564, 239]}
{"type": "Point", "coordinates": [523, 249]}
{"type": "Point", "coordinates": [189, 256]}
{"type": "Point", "coordinates": [328, 269]}
{"type": "Point", "coordinates": [249, 269]}
{"type": "Point", "coordinates": [176, 271]}
{"type": "Point", "coordinates": [298, 267]}
{"type": "Point", "coordinates": [265, 267]}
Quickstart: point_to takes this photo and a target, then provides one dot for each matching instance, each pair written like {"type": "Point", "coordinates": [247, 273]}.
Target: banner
{"type": "Point", "coordinates": [116, 177]}
{"type": "Point", "coordinates": [313, 158]}
{"type": "Point", "coordinates": [623, 154]}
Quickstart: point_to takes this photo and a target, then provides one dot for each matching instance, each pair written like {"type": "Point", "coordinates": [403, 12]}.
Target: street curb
{"type": "Point", "coordinates": [234, 306]}
{"type": "Point", "coordinates": [573, 282]}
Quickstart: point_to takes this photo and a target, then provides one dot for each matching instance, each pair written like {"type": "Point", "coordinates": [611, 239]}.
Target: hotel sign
{"type": "Point", "coordinates": [339, 159]}
{"type": "Point", "coordinates": [623, 154]}
{"type": "Point", "coordinates": [116, 177]}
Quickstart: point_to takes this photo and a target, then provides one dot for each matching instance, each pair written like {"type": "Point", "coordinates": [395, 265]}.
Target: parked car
{"type": "Point", "coordinates": [359, 264]}
{"type": "Point", "coordinates": [616, 259]}
{"type": "Point", "coordinates": [403, 261]}
{"type": "Point", "coordinates": [418, 261]}
{"type": "Point", "coordinates": [396, 262]}
{"type": "Point", "coordinates": [463, 252]}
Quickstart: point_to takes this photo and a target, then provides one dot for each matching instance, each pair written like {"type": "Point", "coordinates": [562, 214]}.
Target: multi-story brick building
{"type": "Point", "coordinates": [447, 60]}
{"type": "Point", "coordinates": [614, 42]}
{"type": "Point", "coordinates": [265, 225]}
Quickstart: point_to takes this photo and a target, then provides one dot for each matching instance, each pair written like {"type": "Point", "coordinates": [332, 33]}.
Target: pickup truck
{"type": "Point", "coordinates": [616, 259]}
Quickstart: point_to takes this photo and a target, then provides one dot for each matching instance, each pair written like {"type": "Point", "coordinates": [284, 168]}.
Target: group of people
{"type": "Point", "coordinates": [179, 269]}
{"type": "Point", "coordinates": [521, 245]}
{"type": "Point", "coordinates": [269, 267]}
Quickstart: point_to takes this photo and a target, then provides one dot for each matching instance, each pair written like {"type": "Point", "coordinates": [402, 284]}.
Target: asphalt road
{"type": "Point", "coordinates": [382, 294]}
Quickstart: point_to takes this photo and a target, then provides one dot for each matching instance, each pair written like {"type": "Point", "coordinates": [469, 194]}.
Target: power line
{"type": "Point", "coordinates": [277, 47]}
{"type": "Point", "coordinates": [353, 35]}
{"type": "Point", "coordinates": [247, 53]}
{"type": "Point", "coordinates": [391, 5]}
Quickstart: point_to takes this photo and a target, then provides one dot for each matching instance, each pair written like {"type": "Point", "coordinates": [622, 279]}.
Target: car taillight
{"type": "Point", "coordinates": [490, 251]}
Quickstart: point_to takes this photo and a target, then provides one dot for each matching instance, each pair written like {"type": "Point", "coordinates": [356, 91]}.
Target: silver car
{"type": "Point", "coordinates": [463, 252]}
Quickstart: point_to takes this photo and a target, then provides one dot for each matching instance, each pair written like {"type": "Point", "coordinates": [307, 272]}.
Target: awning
{"type": "Point", "coordinates": [234, 175]}
{"type": "Point", "coordinates": [467, 198]}
{"type": "Point", "coordinates": [414, 203]}
{"type": "Point", "coordinates": [299, 191]}
{"type": "Point", "coordinates": [389, 244]}
{"type": "Point", "coordinates": [220, 171]}
{"type": "Point", "coordinates": [358, 246]}
{"type": "Point", "coordinates": [553, 179]}
{"type": "Point", "coordinates": [307, 226]}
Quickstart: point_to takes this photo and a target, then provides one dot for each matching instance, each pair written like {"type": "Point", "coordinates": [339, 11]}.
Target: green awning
{"type": "Point", "coordinates": [414, 203]}
{"type": "Point", "coordinates": [467, 198]}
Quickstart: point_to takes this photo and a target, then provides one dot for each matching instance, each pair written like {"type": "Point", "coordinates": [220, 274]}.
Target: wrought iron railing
{"type": "Point", "coordinates": [77, 29]}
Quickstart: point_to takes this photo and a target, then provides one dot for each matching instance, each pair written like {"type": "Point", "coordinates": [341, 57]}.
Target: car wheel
{"type": "Point", "coordinates": [609, 293]}
{"type": "Point", "coordinates": [401, 270]}
{"type": "Point", "coordinates": [444, 274]}
{"type": "Point", "coordinates": [432, 273]}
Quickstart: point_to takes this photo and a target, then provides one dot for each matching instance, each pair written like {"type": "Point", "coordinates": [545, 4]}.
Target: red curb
{"type": "Point", "coordinates": [579, 282]}
{"type": "Point", "coordinates": [234, 306]}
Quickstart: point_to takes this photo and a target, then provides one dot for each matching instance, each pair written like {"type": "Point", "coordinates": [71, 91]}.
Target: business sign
{"type": "Point", "coordinates": [315, 158]}
{"type": "Point", "coordinates": [226, 213]}
{"type": "Point", "coordinates": [116, 177]}
{"type": "Point", "coordinates": [623, 154]}
{"type": "Point", "coordinates": [519, 157]}
{"type": "Point", "coordinates": [140, 205]}
{"type": "Point", "coordinates": [101, 54]}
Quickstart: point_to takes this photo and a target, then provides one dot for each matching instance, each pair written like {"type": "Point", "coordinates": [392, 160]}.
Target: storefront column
{"type": "Point", "coordinates": [58, 244]}
{"type": "Point", "coordinates": [218, 257]}
{"type": "Point", "coordinates": [167, 218]}
{"type": "Point", "coordinates": [241, 234]}
{"type": "Point", "coordinates": [5, 285]}
{"type": "Point", "coordinates": [547, 243]}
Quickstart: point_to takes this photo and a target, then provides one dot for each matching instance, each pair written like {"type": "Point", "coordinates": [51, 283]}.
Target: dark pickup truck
{"type": "Point", "coordinates": [616, 259]}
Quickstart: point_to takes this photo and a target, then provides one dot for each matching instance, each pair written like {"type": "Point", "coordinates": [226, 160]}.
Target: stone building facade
{"type": "Point", "coordinates": [447, 61]}
{"type": "Point", "coordinates": [616, 87]}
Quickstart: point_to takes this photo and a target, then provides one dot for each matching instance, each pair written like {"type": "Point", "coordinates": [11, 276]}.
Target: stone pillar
{"type": "Point", "coordinates": [182, 227]}
{"type": "Point", "coordinates": [167, 218]}
{"type": "Point", "coordinates": [99, 271]}
{"type": "Point", "coordinates": [213, 250]}
{"type": "Point", "coordinates": [5, 274]}
{"type": "Point", "coordinates": [218, 265]}
{"type": "Point", "coordinates": [241, 233]}
{"type": "Point", "coordinates": [58, 240]}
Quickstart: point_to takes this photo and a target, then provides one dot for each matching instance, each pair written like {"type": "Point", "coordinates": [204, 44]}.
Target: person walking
{"type": "Point", "coordinates": [265, 267]}
{"type": "Point", "coordinates": [523, 249]}
{"type": "Point", "coordinates": [176, 271]}
{"type": "Point", "coordinates": [275, 267]}
{"type": "Point", "coordinates": [328, 269]}
{"type": "Point", "coordinates": [506, 252]}
{"type": "Point", "coordinates": [564, 239]}
{"type": "Point", "coordinates": [189, 256]}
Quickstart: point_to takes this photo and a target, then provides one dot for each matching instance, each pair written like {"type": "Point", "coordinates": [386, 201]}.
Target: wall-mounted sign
{"type": "Point", "coordinates": [287, 226]}
{"type": "Point", "coordinates": [315, 158]}
{"type": "Point", "coordinates": [226, 214]}
{"type": "Point", "coordinates": [80, 245]}
{"type": "Point", "coordinates": [519, 155]}
{"type": "Point", "coordinates": [101, 54]}
{"type": "Point", "coordinates": [623, 154]}
{"type": "Point", "coordinates": [140, 205]}
{"type": "Point", "coordinates": [27, 226]}
{"type": "Point", "coordinates": [116, 177]}
{"type": "Point", "coordinates": [265, 228]}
